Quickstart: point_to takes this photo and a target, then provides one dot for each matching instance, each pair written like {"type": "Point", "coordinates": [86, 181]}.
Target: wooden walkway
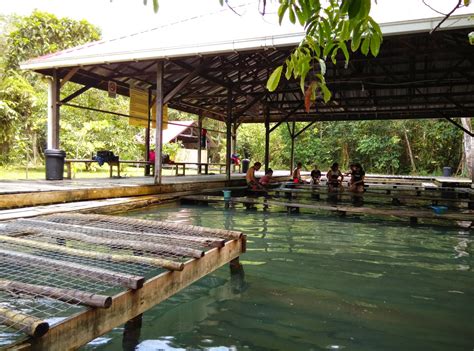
{"type": "Point", "coordinates": [95, 272]}
{"type": "Point", "coordinates": [24, 193]}
{"type": "Point", "coordinates": [463, 218]}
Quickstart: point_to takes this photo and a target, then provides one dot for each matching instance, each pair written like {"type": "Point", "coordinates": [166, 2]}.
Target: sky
{"type": "Point", "coordinates": [121, 17]}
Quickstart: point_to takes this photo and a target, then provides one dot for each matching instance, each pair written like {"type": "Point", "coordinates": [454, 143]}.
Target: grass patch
{"type": "Point", "coordinates": [79, 171]}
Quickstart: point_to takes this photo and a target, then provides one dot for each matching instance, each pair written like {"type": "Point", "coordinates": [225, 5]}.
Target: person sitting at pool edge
{"type": "Point", "coordinates": [267, 178]}
{"type": "Point", "coordinates": [356, 183]}
{"type": "Point", "coordinates": [252, 182]}
{"type": "Point", "coordinates": [333, 175]}
{"type": "Point", "coordinates": [315, 176]}
{"type": "Point", "coordinates": [297, 173]}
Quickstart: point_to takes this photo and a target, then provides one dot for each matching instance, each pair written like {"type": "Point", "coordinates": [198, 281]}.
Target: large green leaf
{"type": "Point", "coordinates": [365, 46]}
{"type": "Point", "coordinates": [354, 7]}
{"type": "Point", "coordinates": [274, 79]}
{"type": "Point", "coordinates": [375, 44]}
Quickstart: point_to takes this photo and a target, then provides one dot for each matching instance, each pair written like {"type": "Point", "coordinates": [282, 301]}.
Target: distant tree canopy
{"type": "Point", "coordinates": [23, 95]}
{"type": "Point", "coordinates": [42, 33]}
{"type": "Point", "coordinates": [386, 147]}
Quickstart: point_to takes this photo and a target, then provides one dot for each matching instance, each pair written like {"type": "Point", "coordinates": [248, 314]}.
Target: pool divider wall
{"type": "Point", "coordinates": [35, 198]}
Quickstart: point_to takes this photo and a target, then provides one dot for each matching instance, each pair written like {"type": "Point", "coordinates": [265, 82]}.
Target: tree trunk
{"type": "Point", "coordinates": [34, 146]}
{"type": "Point", "coordinates": [410, 153]}
{"type": "Point", "coordinates": [345, 156]}
{"type": "Point", "coordinates": [468, 149]}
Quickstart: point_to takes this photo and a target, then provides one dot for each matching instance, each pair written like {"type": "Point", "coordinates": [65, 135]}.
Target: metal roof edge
{"type": "Point", "coordinates": [245, 44]}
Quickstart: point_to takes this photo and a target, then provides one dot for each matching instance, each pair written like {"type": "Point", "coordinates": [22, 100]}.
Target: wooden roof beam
{"type": "Point", "coordinates": [68, 76]}
{"type": "Point", "coordinates": [182, 84]}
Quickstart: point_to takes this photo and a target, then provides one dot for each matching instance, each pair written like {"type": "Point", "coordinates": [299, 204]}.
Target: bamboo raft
{"type": "Point", "coordinates": [463, 218]}
{"type": "Point", "coordinates": [95, 272]}
{"type": "Point", "coordinates": [376, 194]}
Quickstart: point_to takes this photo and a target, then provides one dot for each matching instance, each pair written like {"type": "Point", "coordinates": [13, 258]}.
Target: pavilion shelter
{"type": "Point", "coordinates": [221, 73]}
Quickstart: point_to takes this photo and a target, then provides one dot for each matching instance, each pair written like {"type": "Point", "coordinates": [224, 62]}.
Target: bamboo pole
{"type": "Point", "coordinates": [30, 325]}
{"type": "Point", "coordinates": [160, 262]}
{"type": "Point", "coordinates": [128, 244]}
{"type": "Point", "coordinates": [71, 296]}
{"type": "Point", "coordinates": [186, 239]}
{"type": "Point", "coordinates": [98, 274]}
{"type": "Point", "coordinates": [222, 233]}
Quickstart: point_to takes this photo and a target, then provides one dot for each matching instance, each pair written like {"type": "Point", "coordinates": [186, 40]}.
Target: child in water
{"type": "Point", "coordinates": [315, 176]}
{"type": "Point", "coordinates": [267, 178]}
{"type": "Point", "coordinates": [297, 173]}
{"type": "Point", "coordinates": [335, 178]}
{"type": "Point", "coordinates": [357, 178]}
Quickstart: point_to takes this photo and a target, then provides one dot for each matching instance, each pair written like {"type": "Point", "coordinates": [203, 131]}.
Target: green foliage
{"type": "Point", "coordinates": [251, 141]}
{"type": "Point", "coordinates": [42, 33]}
{"type": "Point", "coordinates": [23, 95]}
{"type": "Point", "coordinates": [329, 31]}
{"type": "Point", "coordinates": [379, 145]}
{"type": "Point", "coordinates": [172, 149]}
{"type": "Point", "coordinates": [84, 132]}
{"type": "Point", "coordinates": [18, 101]}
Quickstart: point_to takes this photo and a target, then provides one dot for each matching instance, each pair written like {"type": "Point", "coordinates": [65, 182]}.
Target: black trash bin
{"type": "Point", "coordinates": [245, 165]}
{"type": "Point", "coordinates": [447, 171]}
{"type": "Point", "coordinates": [54, 164]}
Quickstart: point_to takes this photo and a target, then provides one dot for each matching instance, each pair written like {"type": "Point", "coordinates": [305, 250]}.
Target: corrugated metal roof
{"type": "Point", "coordinates": [228, 33]}
{"type": "Point", "coordinates": [175, 129]}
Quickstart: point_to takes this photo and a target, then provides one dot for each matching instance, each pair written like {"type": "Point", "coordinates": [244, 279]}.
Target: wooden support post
{"type": "Point", "coordinates": [234, 142]}
{"type": "Point", "coordinates": [131, 333]}
{"type": "Point", "coordinates": [316, 196]}
{"type": "Point", "coordinates": [235, 265]}
{"type": "Point", "coordinates": [267, 137]}
{"type": "Point", "coordinates": [159, 122]}
{"type": "Point", "coordinates": [199, 147]}
{"type": "Point", "coordinates": [147, 135]}
{"type": "Point", "coordinates": [53, 111]}
{"type": "Point", "coordinates": [229, 133]}
{"type": "Point", "coordinates": [292, 154]}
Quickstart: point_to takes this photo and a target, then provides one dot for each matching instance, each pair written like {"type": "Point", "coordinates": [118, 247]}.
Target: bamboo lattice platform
{"type": "Point", "coordinates": [67, 278]}
{"type": "Point", "coordinates": [453, 198]}
{"type": "Point", "coordinates": [463, 218]}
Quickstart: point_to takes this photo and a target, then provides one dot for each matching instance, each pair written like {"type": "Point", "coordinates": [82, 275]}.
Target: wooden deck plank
{"type": "Point", "coordinates": [94, 205]}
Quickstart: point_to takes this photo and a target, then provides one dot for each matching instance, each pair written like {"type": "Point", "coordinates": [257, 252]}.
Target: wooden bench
{"type": "Point", "coordinates": [68, 162]}
{"type": "Point", "coordinates": [177, 166]}
{"type": "Point", "coordinates": [119, 162]}
{"type": "Point", "coordinates": [112, 164]}
{"type": "Point", "coordinates": [199, 165]}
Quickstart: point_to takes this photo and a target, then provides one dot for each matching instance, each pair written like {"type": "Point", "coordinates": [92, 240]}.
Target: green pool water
{"type": "Point", "coordinates": [316, 283]}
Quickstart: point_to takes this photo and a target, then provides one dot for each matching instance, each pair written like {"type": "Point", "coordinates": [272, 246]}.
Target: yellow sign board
{"type": "Point", "coordinates": [139, 110]}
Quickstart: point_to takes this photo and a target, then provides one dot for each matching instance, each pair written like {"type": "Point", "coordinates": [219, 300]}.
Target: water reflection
{"type": "Point", "coordinates": [320, 283]}
{"type": "Point", "coordinates": [131, 333]}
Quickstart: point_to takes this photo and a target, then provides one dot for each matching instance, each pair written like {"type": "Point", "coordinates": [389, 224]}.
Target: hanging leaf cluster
{"type": "Point", "coordinates": [341, 27]}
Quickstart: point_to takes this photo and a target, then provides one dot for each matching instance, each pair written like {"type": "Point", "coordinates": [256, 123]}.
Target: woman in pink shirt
{"type": "Point", "coordinates": [267, 178]}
